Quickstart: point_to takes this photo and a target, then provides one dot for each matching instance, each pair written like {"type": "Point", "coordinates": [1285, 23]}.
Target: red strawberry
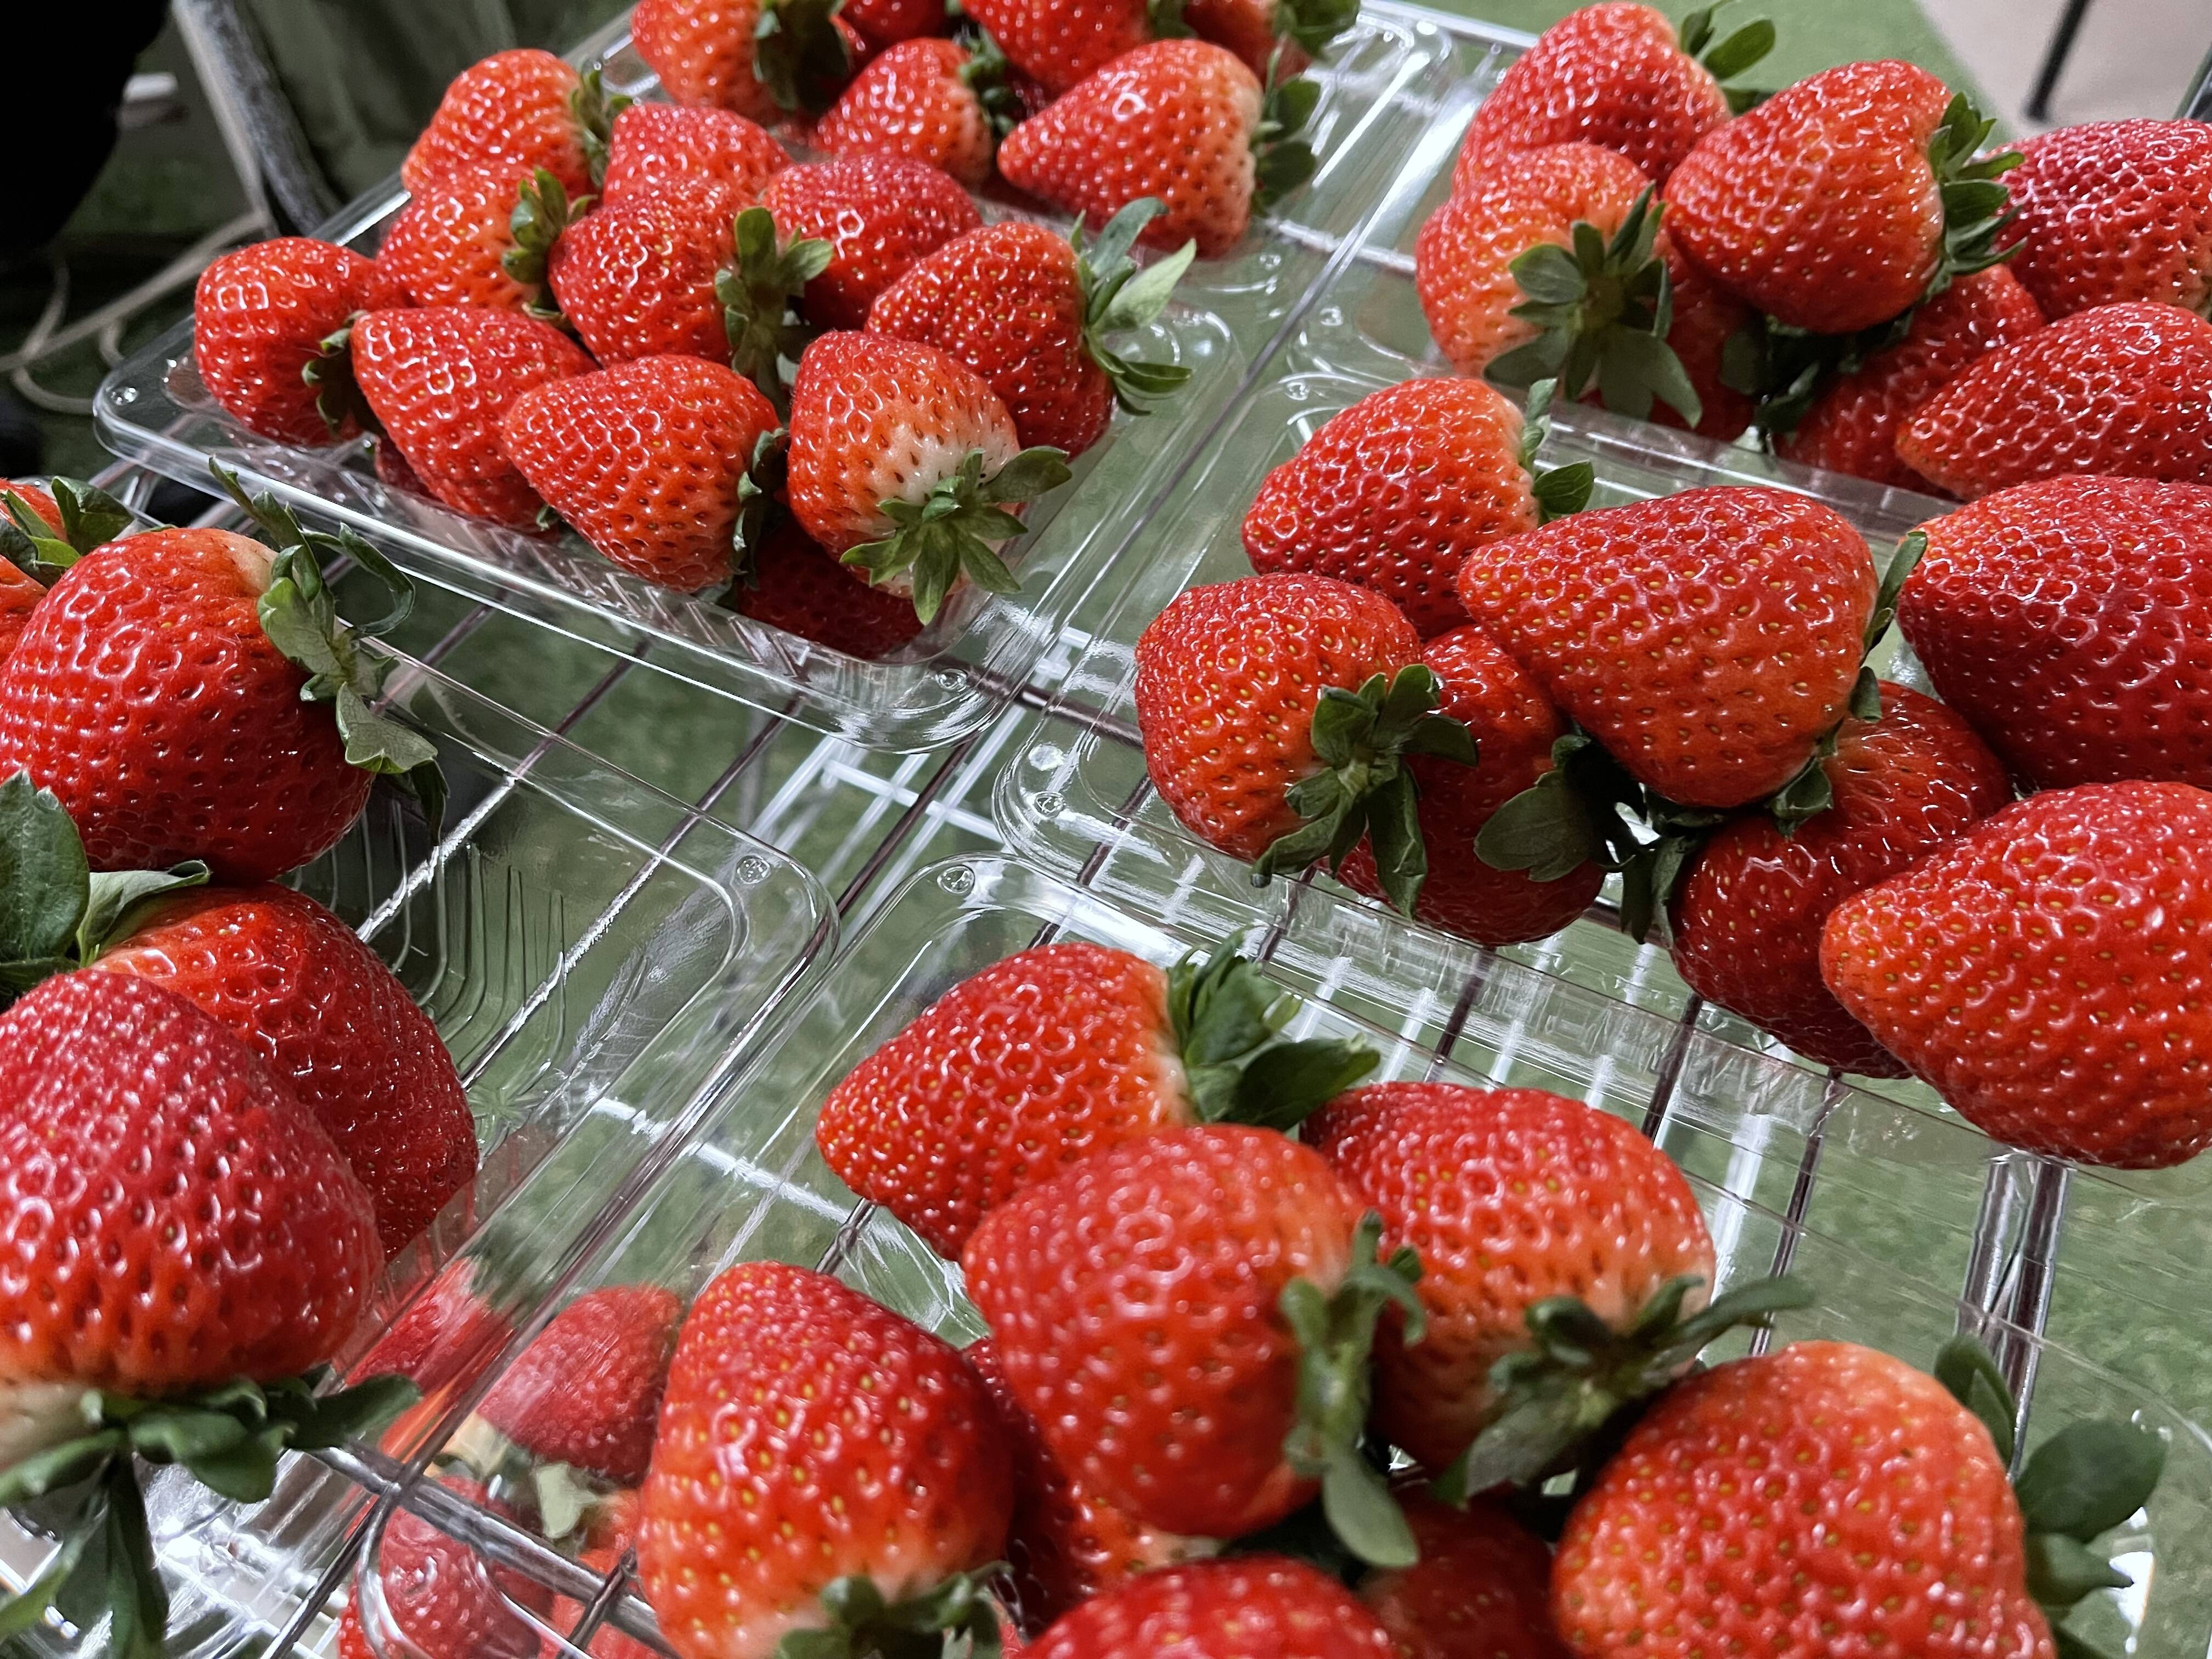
{"type": "Point", "coordinates": [39, 503]}
{"type": "Point", "coordinates": [819, 1457]}
{"type": "Point", "coordinates": [1479, 1591]}
{"type": "Point", "coordinates": [1747, 916]}
{"type": "Point", "coordinates": [880, 213]}
{"type": "Point", "coordinates": [334, 1022]}
{"type": "Point", "coordinates": [440, 378]}
{"type": "Point", "coordinates": [517, 111]}
{"type": "Point", "coordinates": [1613, 75]}
{"type": "Point", "coordinates": [1176, 1256]}
{"type": "Point", "coordinates": [2112, 211]}
{"type": "Point", "coordinates": [882, 432]}
{"type": "Point", "coordinates": [478, 237]}
{"type": "Point", "coordinates": [1181, 120]}
{"type": "Point", "coordinates": [41, 536]}
{"type": "Point", "coordinates": [1029, 311]}
{"type": "Point", "coordinates": [1824, 206]}
{"type": "Point", "coordinates": [587, 1390]}
{"type": "Point", "coordinates": [2071, 622]}
{"type": "Point", "coordinates": [1067, 1543]}
{"type": "Point", "coordinates": [636, 278]}
{"type": "Point", "coordinates": [260, 316]}
{"type": "Point", "coordinates": [1251, 1606]}
{"type": "Point", "coordinates": [950, 1117]}
{"type": "Point", "coordinates": [606, 1642]}
{"type": "Point", "coordinates": [659, 145]}
{"type": "Point", "coordinates": [756, 57]}
{"type": "Point", "coordinates": [1513, 1197]}
{"type": "Point", "coordinates": [1256, 30]}
{"type": "Point", "coordinates": [650, 460]}
{"type": "Point", "coordinates": [1059, 42]}
{"type": "Point", "coordinates": [886, 22]}
{"type": "Point", "coordinates": [922, 100]}
{"type": "Point", "coordinates": [2111, 391]}
{"type": "Point", "coordinates": [352, 1642]}
{"type": "Point", "coordinates": [440, 1598]}
{"type": "Point", "coordinates": [441, 1335]}
{"type": "Point", "coordinates": [794, 583]}
{"type": "Point", "coordinates": [1706, 318]}
{"type": "Point", "coordinates": [1733, 621]}
{"type": "Point", "coordinates": [2042, 972]}
{"type": "Point", "coordinates": [1513, 726]}
{"type": "Point", "coordinates": [1854, 420]}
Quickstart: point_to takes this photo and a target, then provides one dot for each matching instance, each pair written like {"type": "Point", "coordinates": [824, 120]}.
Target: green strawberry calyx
{"type": "Point", "coordinates": [1119, 295]}
{"type": "Point", "coordinates": [1284, 160]}
{"type": "Point", "coordinates": [1726, 56]}
{"type": "Point", "coordinates": [1363, 789]}
{"type": "Point", "coordinates": [1228, 1020]}
{"type": "Point", "coordinates": [1560, 490]}
{"type": "Point", "coordinates": [2085, 1481]}
{"type": "Point", "coordinates": [1314, 25]}
{"type": "Point", "coordinates": [1336, 1331]}
{"type": "Point", "coordinates": [542, 211]}
{"type": "Point", "coordinates": [1783, 369]}
{"type": "Point", "coordinates": [1554, 1400]}
{"type": "Point", "coordinates": [760, 295]}
{"type": "Point", "coordinates": [958, 1615]}
{"type": "Point", "coordinates": [82, 1486]}
{"type": "Point", "coordinates": [955, 531]}
{"type": "Point", "coordinates": [985, 74]}
{"type": "Point", "coordinates": [1603, 307]}
{"type": "Point", "coordinates": [594, 113]}
{"type": "Point", "coordinates": [759, 501]}
{"type": "Point", "coordinates": [799, 53]}
{"type": "Point", "coordinates": [90, 516]}
{"type": "Point", "coordinates": [300, 616]}
{"type": "Point", "coordinates": [1977, 207]}
{"type": "Point", "coordinates": [338, 397]}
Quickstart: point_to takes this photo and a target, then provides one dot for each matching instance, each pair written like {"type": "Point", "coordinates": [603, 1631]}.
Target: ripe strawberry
{"type": "Point", "coordinates": [794, 583]}
{"type": "Point", "coordinates": [39, 503]}
{"type": "Point", "coordinates": [2116, 210]}
{"type": "Point", "coordinates": [1060, 42]}
{"type": "Point", "coordinates": [819, 1457]}
{"type": "Point", "coordinates": [1066, 1543]}
{"type": "Point", "coordinates": [659, 145]}
{"type": "Point", "coordinates": [1250, 1607]}
{"type": "Point", "coordinates": [1256, 30]}
{"type": "Point", "coordinates": [883, 24]}
{"type": "Point", "coordinates": [1747, 916]}
{"type": "Point", "coordinates": [637, 277]}
{"type": "Point", "coordinates": [1614, 75]}
{"type": "Point", "coordinates": [651, 461]}
{"type": "Point", "coordinates": [440, 378]}
{"type": "Point", "coordinates": [1029, 311]}
{"type": "Point", "coordinates": [930, 101]}
{"type": "Point", "coordinates": [1181, 120]}
{"type": "Point", "coordinates": [517, 111]}
{"type": "Point", "coordinates": [950, 1117]}
{"type": "Point", "coordinates": [478, 237]}
{"type": "Point", "coordinates": [1277, 712]}
{"type": "Point", "coordinates": [261, 317]}
{"type": "Point", "coordinates": [440, 1599]}
{"type": "Point", "coordinates": [1513, 1197]}
{"type": "Point", "coordinates": [42, 536]}
{"type": "Point", "coordinates": [442, 1335]}
{"type": "Point", "coordinates": [587, 1390]}
{"type": "Point", "coordinates": [1183, 1403]}
{"type": "Point", "coordinates": [1515, 727]}
{"type": "Point", "coordinates": [2068, 621]}
{"type": "Point", "coordinates": [1706, 318]}
{"type": "Point", "coordinates": [903, 463]}
{"type": "Point", "coordinates": [759, 57]}
{"type": "Point", "coordinates": [1853, 422]}
{"type": "Point", "coordinates": [606, 1642]}
{"type": "Point", "coordinates": [1733, 620]}
{"type": "Point", "coordinates": [880, 213]}
{"type": "Point", "coordinates": [1841, 200]}
{"type": "Point", "coordinates": [2041, 972]}
{"type": "Point", "coordinates": [1478, 1592]}
{"type": "Point", "coordinates": [2109, 390]}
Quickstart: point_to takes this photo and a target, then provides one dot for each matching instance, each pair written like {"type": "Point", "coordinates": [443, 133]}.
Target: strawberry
{"type": "Point", "coordinates": [1060, 42]}
{"type": "Point", "coordinates": [1066, 1543]}
{"type": "Point", "coordinates": [606, 1642]}
{"type": "Point", "coordinates": [440, 377]}
{"type": "Point", "coordinates": [261, 315]}
{"type": "Point", "coordinates": [2116, 210]}
{"type": "Point", "coordinates": [189, 694]}
{"type": "Point", "coordinates": [880, 213]}
{"type": "Point", "coordinates": [657, 145]}
{"type": "Point", "coordinates": [441, 1335]}
{"type": "Point", "coordinates": [2039, 972]}
{"type": "Point", "coordinates": [1250, 1607]}
{"type": "Point", "coordinates": [1843, 200]}
{"type": "Point", "coordinates": [758, 58]}
{"type": "Point", "coordinates": [1181, 120]}
{"type": "Point", "coordinates": [42, 533]}
{"type": "Point", "coordinates": [1852, 423]}
{"type": "Point", "coordinates": [1733, 621]}
{"type": "Point", "coordinates": [586, 1390]}
{"type": "Point", "coordinates": [1826, 1498]}
{"type": "Point", "coordinates": [885, 23]}
{"type": "Point", "coordinates": [1615, 74]}
{"type": "Point", "coordinates": [1549, 1232]}
{"type": "Point", "coordinates": [1277, 712]}
{"type": "Point", "coordinates": [931, 102]}
{"type": "Point", "coordinates": [1226, 1301]}
{"type": "Point", "coordinates": [440, 1599]}
{"type": "Point", "coordinates": [651, 461]}
{"type": "Point", "coordinates": [950, 1118]}
{"type": "Point", "coordinates": [822, 1464]}
{"type": "Point", "coordinates": [478, 237]}
{"type": "Point", "coordinates": [1029, 312]}
{"type": "Point", "coordinates": [794, 583]}
{"type": "Point", "coordinates": [2068, 621]}
{"type": "Point", "coordinates": [903, 463]}
{"type": "Point", "coordinates": [637, 277]}
{"type": "Point", "coordinates": [517, 111]}
{"type": "Point", "coordinates": [2109, 390]}
{"type": "Point", "coordinates": [1515, 728]}
{"type": "Point", "coordinates": [1747, 917]}
{"type": "Point", "coordinates": [1478, 1592]}
{"type": "Point", "coordinates": [1256, 30]}
{"type": "Point", "coordinates": [1706, 318]}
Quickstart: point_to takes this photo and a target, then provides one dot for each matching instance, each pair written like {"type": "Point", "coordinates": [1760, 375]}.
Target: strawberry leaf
{"type": "Point", "coordinates": [2089, 1478]}
{"type": "Point", "coordinates": [799, 53]}
{"type": "Point", "coordinates": [338, 397]}
{"type": "Point", "coordinates": [1976, 204]}
{"type": "Point", "coordinates": [1283, 161]}
{"type": "Point", "coordinates": [1314, 25]}
{"type": "Point", "coordinates": [758, 493]}
{"type": "Point", "coordinates": [1118, 295]}
{"type": "Point", "coordinates": [985, 74]}
{"type": "Point", "coordinates": [594, 114]}
{"type": "Point", "coordinates": [1227, 1017]}
{"type": "Point", "coordinates": [1164, 19]}
{"type": "Point", "coordinates": [119, 900]}
{"type": "Point", "coordinates": [542, 212]}
{"type": "Point", "coordinates": [89, 517]}
{"type": "Point", "coordinates": [137, 1601]}
{"type": "Point", "coordinates": [44, 885]}
{"type": "Point", "coordinates": [950, 532]}
{"type": "Point", "coordinates": [1740, 50]}
{"type": "Point", "coordinates": [1966, 1370]}
{"type": "Point", "coordinates": [959, 1613]}
{"type": "Point", "coordinates": [760, 295]}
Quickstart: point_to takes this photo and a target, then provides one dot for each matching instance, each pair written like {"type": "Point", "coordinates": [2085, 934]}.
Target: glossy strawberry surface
{"type": "Point", "coordinates": [636, 277]}
{"type": "Point", "coordinates": [1251, 1606]}
{"type": "Point", "coordinates": [511, 110]}
{"type": "Point", "coordinates": [1059, 42]}
{"type": "Point", "coordinates": [885, 23]}
{"type": "Point", "coordinates": [446, 247]}
{"type": "Point", "coordinates": [587, 1391]}
{"type": "Point", "coordinates": [19, 593]}
{"type": "Point", "coordinates": [2114, 210]}
{"type": "Point", "coordinates": [796, 585]}
{"type": "Point", "coordinates": [912, 101]}
{"type": "Point", "coordinates": [881, 214]}
{"type": "Point", "coordinates": [1479, 1591]}
{"type": "Point", "coordinates": [436, 1597]}
{"type": "Point", "coordinates": [657, 145]}
{"type": "Point", "coordinates": [259, 316]}
{"type": "Point", "coordinates": [702, 50]}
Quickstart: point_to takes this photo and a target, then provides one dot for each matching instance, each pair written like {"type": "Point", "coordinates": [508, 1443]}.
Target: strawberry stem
{"type": "Point", "coordinates": [1228, 1019]}
{"type": "Point", "coordinates": [760, 295]}
{"type": "Point", "coordinates": [955, 531]}
{"type": "Point", "coordinates": [594, 114]}
{"type": "Point", "coordinates": [1118, 296]}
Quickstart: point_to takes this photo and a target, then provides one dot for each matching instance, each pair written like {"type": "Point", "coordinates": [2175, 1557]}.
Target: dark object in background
{"type": "Point", "coordinates": [22, 445]}
{"type": "Point", "coordinates": [68, 108]}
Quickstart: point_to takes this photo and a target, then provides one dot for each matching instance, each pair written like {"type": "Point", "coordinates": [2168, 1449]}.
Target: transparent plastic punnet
{"type": "Point", "coordinates": [595, 955]}
{"type": "Point", "coordinates": [1230, 314]}
{"type": "Point", "coordinates": [752, 1187]}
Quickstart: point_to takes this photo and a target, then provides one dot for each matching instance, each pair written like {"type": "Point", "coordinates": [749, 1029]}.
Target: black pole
{"type": "Point", "coordinates": [2054, 61]}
